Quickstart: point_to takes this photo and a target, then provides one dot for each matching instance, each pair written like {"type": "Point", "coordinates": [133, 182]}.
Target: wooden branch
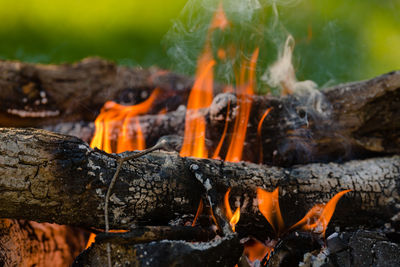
{"type": "Point", "coordinates": [55, 178]}
{"type": "Point", "coordinates": [35, 94]}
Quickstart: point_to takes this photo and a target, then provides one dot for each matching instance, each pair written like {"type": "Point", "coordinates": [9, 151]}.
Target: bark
{"type": "Point", "coordinates": [349, 121]}
{"type": "Point", "coordinates": [26, 243]}
{"type": "Point", "coordinates": [56, 178]}
{"type": "Point", "coordinates": [35, 94]}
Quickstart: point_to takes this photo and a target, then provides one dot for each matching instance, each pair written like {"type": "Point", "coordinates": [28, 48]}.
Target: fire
{"type": "Point", "coordinates": [109, 121]}
{"type": "Point", "coordinates": [318, 217]}
{"type": "Point", "coordinates": [233, 218]}
{"type": "Point", "coordinates": [268, 204]}
{"type": "Point", "coordinates": [201, 95]}
{"type": "Point", "coordinates": [259, 133]}
{"type": "Point", "coordinates": [245, 89]}
{"type": "Point", "coordinates": [256, 250]}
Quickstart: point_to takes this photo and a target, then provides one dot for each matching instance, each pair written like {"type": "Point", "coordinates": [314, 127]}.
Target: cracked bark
{"type": "Point", "coordinates": [56, 178]}
{"type": "Point", "coordinates": [348, 121]}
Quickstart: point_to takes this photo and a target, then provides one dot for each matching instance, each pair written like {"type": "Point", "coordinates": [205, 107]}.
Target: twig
{"type": "Point", "coordinates": [120, 160]}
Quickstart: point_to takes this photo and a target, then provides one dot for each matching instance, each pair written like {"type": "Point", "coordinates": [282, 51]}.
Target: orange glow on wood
{"type": "Point", "coordinates": [115, 131]}
{"type": "Point", "coordinates": [245, 91]}
{"type": "Point", "coordinates": [268, 204]}
{"type": "Point", "coordinates": [318, 217]}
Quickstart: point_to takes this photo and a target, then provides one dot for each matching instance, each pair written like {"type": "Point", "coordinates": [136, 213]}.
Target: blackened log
{"type": "Point", "coordinates": [36, 94]}
{"type": "Point", "coordinates": [349, 121]}
{"type": "Point", "coordinates": [350, 248]}
{"type": "Point", "coordinates": [24, 243]}
{"type": "Point", "coordinates": [56, 178]}
{"type": "Point", "coordinates": [219, 252]}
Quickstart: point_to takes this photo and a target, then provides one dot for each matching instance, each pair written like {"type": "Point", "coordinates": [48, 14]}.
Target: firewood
{"type": "Point", "coordinates": [220, 252]}
{"type": "Point", "coordinates": [56, 178]}
{"type": "Point", "coordinates": [349, 121]}
{"type": "Point", "coordinates": [36, 94]}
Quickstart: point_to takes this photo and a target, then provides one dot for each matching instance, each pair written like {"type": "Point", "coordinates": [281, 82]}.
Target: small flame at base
{"type": "Point", "coordinates": [235, 217]}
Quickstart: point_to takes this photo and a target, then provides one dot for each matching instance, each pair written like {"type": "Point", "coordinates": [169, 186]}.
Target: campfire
{"type": "Point", "coordinates": [183, 171]}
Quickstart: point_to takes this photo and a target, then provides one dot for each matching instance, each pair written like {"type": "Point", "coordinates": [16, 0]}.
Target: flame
{"type": "Point", "coordinates": [259, 133]}
{"type": "Point", "coordinates": [201, 94]}
{"type": "Point", "coordinates": [268, 204]}
{"type": "Point", "coordinates": [318, 217]}
{"type": "Point", "coordinates": [221, 141]}
{"type": "Point", "coordinates": [219, 21]}
{"type": "Point", "coordinates": [235, 217]}
{"type": "Point", "coordinates": [110, 118]}
{"type": "Point", "coordinates": [200, 97]}
{"type": "Point", "coordinates": [199, 211]}
{"type": "Point", "coordinates": [244, 89]}
{"type": "Point", "coordinates": [256, 250]}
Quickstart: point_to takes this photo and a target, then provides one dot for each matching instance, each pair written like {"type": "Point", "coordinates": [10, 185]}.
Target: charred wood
{"type": "Point", "coordinates": [35, 94]}
{"type": "Point", "coordinates": [219, 252]}
{"type": "Point", "coordinates": [56, 178]}
{"type": "Point", "coordinates": [349, 121]}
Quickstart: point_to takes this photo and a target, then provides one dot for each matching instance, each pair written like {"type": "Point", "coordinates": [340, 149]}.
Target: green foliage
{"type": "Point", "coordinates": [336, 40]}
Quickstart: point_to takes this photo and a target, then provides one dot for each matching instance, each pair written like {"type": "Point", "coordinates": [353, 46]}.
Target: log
{"type": "Point", "coordinates": [349, 121]}
{"type": "Point", "coordinates": [25, 243]}
{"type": "Point", "coordinates": [36, 94]}
{"type": "Point", "coordinates": [51, 177]}
{"type": "Point", "coordinates": [220, 252]}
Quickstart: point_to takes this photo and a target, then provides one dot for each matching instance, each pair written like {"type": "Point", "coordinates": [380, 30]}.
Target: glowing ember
{"type": "Point", "coordinates": [233, 218]}
{"type": "Point", "coordinates": [268, 204]}
{"type": "Point", "coordinates": [108, 124]}
{"type": "Point", "coordinates": [318, 217]}
{"type": "Point", "coordinates": [245, 89]}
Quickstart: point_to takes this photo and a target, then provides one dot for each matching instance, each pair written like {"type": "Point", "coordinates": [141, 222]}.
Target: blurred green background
{"type": "Point", "coordinates": [337, 40]}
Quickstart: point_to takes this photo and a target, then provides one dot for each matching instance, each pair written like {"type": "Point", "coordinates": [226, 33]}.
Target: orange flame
{"type": "Point", "coordinates": [199, 211]}
{"type": "Point", "coordinates": [235, 217]}
{"type": "Point", "coordinates": [221, 141]}
{"type": "Point", "coordinates": [259, 133]}
{"type": "Point", "coordinates": [268, 204]}
{"type": "Point", "coordinates": [256, 250]}
{"type": "Point", "coordinates": [219, 21]}
{"type": "Point", "coordinates": [245, 89]}
{"type": "Point", "coordinates": [201, 95]}
{"type": "Point", "coordinates": [318, 217]}
{"type": "Point", "coordinates": [110, 118]}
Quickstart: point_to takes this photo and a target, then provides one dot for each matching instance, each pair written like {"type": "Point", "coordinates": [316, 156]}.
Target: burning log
{"type": "Point", "coordinates": [57, 178]}
{"type": "Point", "coordinates": [35, 94]}
{"type": "Point", "coordinates": [223, 252]}
{"type": "Point", "coordinates": [349, 121]}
